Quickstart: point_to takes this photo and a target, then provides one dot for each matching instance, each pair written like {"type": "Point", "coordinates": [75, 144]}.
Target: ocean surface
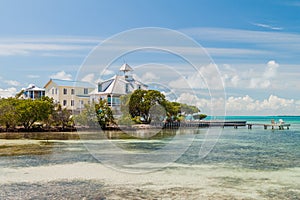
{"type": "Point", "coordinates": [216, 163]}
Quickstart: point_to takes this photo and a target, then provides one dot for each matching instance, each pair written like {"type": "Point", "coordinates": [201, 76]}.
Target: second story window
{"type": "Point", "coordinates": [85, 91]}
{"type": "Point", "coordinates": [65, 91]}
{"type": "Point", "coordinates": [72, 91]}
{"type": "Point", "coordinates": [64, 102]}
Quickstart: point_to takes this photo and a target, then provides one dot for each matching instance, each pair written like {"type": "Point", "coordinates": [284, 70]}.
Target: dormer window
{"type": "Point", "coordinates": [100, 88]}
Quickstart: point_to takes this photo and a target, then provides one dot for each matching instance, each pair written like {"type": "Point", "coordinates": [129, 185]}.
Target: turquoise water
{"type": "Point", "coordinates": [271, 156]}
{"type": "Point", "coordinates": [262, 119]}
{"type": "Point", "coordinates": [255, 149]}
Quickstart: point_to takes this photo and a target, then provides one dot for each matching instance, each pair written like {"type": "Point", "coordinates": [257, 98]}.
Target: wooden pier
{"type": "Point", "coordinates": [280, 126]}
{"type": "Point", "coordinates": [204, 124]}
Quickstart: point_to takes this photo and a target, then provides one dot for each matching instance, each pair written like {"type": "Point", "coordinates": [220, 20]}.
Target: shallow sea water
{"type": "Point", "coordinates": [240, 164]}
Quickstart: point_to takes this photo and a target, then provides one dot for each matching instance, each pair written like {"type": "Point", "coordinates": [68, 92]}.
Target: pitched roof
{"type": "Point", "coordinates": [117, 85]}
{"type": "Point", "coordinates": [69, 83]}
{"type": "Point", "coordinates": [125, 68]}
{"type": "Point", "coordinates": [33, 87]}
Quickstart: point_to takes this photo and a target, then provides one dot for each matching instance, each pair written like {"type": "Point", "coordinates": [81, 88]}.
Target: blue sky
{"type": "Point", "coordinates": [254, 43]}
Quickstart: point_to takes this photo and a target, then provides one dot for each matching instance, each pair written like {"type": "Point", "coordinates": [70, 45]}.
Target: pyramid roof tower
{"type": "Point", "coordinates": [125, 68]}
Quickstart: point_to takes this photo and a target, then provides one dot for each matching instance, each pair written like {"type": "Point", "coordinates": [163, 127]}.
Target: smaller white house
{"type": "Point", "coordinates": [113, 88]}
{"type": "Point", "coordinates": [33, 92]}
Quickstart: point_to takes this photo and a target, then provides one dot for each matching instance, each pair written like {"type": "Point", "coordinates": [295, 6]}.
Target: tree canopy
{"type": "Point", "coordinates": [26, 112]}
{"type": "Point", "coordinates": [143, 106]}
{"type": "Point", "coordinates": [95, 114]}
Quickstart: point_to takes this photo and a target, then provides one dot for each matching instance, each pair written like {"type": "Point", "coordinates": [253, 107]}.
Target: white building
{"type": "Point", "coordinates": [71, 95]}
{"type": "Point", "coordinates": [33, 92]}
{"type": "Point", "coordinates": [112, 89]}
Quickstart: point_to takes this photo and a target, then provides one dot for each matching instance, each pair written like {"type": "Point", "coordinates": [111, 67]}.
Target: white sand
{"type": "Point", "coordinates": [195, 181]}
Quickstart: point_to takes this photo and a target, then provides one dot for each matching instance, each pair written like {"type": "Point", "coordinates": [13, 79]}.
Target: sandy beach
{"type": "Point", "coordinates": [95, 181]}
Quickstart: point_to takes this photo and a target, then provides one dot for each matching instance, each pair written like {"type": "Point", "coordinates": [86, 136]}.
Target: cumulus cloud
{"type": "Point", "coordinates": [208, 77]}
{"type": "Point", "coordinates": [9, 92]}
{"type": "Point", "coordinates": [89, 78]}
{"type": "Point", "coordinates": [271, 70]}
{"type": "Point", "coordinates": [208, 106]}
{"type": "Point", "coordinates": [264, 81]}
{"type": "Point", "coordinates": [271, 105]}
{"type": "Point", "coordinates": [244, 105]}
{"type": "Point", "coordinates": [254, 79]}
{"type": "Point", "coordinates": [12, 82]}
{"type": "Point", "coordinates": [149, 77]}
{"type": "Point", "coordinates": [230, 76]}
{"type": "Point", "coordinates": [61, 75]}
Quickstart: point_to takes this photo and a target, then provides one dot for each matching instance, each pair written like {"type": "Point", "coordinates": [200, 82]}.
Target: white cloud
{"type": "Point", "coordinates": [267, 26]}
{"type": "Point", "coordinates": [271, 105]}
{"type": "Point", "coordinates": [9, 92]}
{"type": "Point", "coordinates": [12, 82]}
{"type": "Point", "coordinates": [244, 105]}
{"type": "Point", "coordinates": [264, 81]}
{"type": "Point", "coordinates": [238, 35]}
{"type": "Point", "coordinates": [229, 52]}
{"type": "Point", "coordinates": [251, 78]}
{"type": "Point", "coordinates": [208, 106]}
{"type": "Point", "coordinates": [208, 77]}
{"type": "Point", "coordinates": [271, 43]}
{"type": "Point", "coordinates": [107, 72]}
{"type": "Point", "coordinates": [61, 75]}
{"type": "Point", "coordinates": [62, 39]}
{"type": "Point", "coordinates": [149, 77]}
{"type": "Point", "coordinates": [271, 70]}
{"type": "Point", "coordinates": [89, 78]}
{"type": "Point", "coordinates": [25, 46]}
{"type": "Point", "coordinates": [230, 76]}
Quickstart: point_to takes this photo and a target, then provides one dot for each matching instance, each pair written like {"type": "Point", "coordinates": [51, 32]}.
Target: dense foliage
{"type": "Point", "coordinates": [142, 106]}
{"type": "Point", "coordinates": [29, 113]}
{"type": "Point", "coordinates": [95, 114]}
{"type": "Point", "coordinates": [146, 106]}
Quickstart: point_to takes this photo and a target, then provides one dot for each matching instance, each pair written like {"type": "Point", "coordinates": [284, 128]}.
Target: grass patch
{"type": "Point", "coordinates": [25, 149]}
{"type": "Point", "coordinates": [41, 135]}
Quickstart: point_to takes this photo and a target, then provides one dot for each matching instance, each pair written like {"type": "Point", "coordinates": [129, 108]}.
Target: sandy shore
{"type": "Point", "coordinates": [95, 181]}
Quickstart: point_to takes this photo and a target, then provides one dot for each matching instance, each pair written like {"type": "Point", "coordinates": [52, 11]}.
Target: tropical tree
{"type": "Point", "coordinates": [143, 106]}
{"type": "Point", "coordinates": [142, 100]}
{"type": "Point", "coordinates": [104, 113]}
{"type": "Point", "coordinates": [30, 111]}
{"type": "Point", "coordinates": [189, 109]}
{"type": "Point", "coordinates": [61, 116]}
{"type": "Point", "coordinates": [96, 114]}
{"type": "Point", "coordinates": [8, 113]}
{"type": "Point", "coordinates": [87, 117]}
